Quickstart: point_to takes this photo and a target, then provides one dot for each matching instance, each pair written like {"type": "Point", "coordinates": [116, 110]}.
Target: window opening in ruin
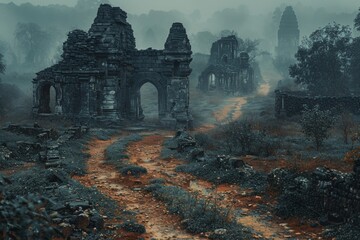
{"type": "Point", "coordinates": [225, 59]}
{"type": "Point", "coordinates": [149, 102]}
{"type": "Point", "coordinates": [212, 82]}
{"type": "Point", "coordinates": [47, 99]}
{"type": "Point", "coordinates": [176, 68]}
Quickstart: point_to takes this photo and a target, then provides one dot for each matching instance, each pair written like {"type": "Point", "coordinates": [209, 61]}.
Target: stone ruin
{"type": "Point", "coordinates": [228, 70]}
{"type": "Point", "coordinates": [101, 73]}
{"type": "Point", "coordinates": [324, 191]}
{"type": "Point", "coordinates": [288, 35]}
{"type": "Point", "coordinates": [291, 103]}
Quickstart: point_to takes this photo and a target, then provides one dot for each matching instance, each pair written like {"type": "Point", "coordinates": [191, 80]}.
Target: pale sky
{"type": "Point", "coordinates": [207, 7]}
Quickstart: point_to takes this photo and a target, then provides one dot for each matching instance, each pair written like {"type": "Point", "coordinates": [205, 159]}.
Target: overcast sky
{"type": "Point", "coordinates": [207, 7]}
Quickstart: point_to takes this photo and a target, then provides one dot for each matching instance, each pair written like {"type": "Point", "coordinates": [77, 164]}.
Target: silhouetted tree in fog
{"type": "Point", "coordinates": [357, 21]}
{"type": "Point", "coordinates": [2, 70]}
{"type": "Point", "coordinates": [2, 64]}
{"type": "Point", "coordinates": [90, 4]}
{"type": "Point", "coordinates": [34, 43]}
{"type": "Point", "coordinates": [355, 57]}
{"type": "Point", "coordinates": [202, 41]}
{"type": "Point", "coordinates": [323, 61]}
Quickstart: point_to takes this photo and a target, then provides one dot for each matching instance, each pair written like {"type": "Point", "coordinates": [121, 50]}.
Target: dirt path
{"type": "Point", "coordinates": [146, 153]}
{"type": "Point", "coordinates": [231, 111]}
{"type": "Point", "coordinates": [126, 192]}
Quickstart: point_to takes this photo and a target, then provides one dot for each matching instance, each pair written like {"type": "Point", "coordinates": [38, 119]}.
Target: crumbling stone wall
{"type": "Point", "coordinates": [292, 103]}
{"type": "Point", "coordinates": [101, 73]}
{"type": "Point", "coordinates": [228, 69]}
{"type": "Point", "coordinates": [324, 191]}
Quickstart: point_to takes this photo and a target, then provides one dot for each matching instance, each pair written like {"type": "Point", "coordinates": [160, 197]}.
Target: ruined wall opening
{"type": "Point", "coordinates": [176, 68]}
{"type": "Point", "coordinates": [225, 59]}
{"type": "Point", "coordinates": [212, 82]}
{"type": "Point", "coordinates": [47, 99]}
{"type": "Point", "coordinates": [149, 102]}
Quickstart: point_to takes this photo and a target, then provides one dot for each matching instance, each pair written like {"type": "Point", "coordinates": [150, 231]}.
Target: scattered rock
{"type": "Point", "coordinates": [220, 231]}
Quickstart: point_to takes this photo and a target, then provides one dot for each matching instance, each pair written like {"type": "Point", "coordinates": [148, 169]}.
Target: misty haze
{"type": "Point", "coordinates": [179, 119]}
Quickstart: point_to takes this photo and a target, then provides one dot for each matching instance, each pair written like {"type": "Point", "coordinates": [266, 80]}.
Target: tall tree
{"type": "Point", "coordinates": [2, 64]}
{"type": "Point", "coordinates": [355, 58]}
{"type": "Point", "coordinates": [33, 42]}
{"type": "Point", "coordinates": [90, 4]}
{"type": "Point", "coordinates": [2, 70]}
{"type": "Point", "coordinates": [323, 61]}
{"type": "Point", "coordinates": [357, 21]}
{"type": "Point", "coordinates": [355, 63]}
{"type": "Point", "coordinates": [202, 41]}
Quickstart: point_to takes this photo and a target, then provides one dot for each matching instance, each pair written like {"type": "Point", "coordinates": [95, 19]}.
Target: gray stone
{"type": "Point", "coordinates": [228, 69]}
{"type": "Point", "coordinates": [101, 73]}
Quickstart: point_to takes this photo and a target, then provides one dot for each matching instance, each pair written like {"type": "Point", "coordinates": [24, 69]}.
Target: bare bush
{"type": "Point", "coordinates": [244, 137]}
{"type": "Point", "coordinates": [316, 124]}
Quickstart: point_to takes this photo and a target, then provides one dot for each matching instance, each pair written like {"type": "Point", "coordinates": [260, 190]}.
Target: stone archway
{"type": "Point", "coordinates": [225, 59]}
{"type": "Point", "coordinates": [212, 81]}
{"type": "Point", "coordinates": [161, 87]}
{"type": "Point", "coordinates": [48, 97]}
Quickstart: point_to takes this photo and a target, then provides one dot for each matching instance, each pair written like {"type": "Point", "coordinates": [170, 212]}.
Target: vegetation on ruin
{"type": "Point", "coordinates": [323, 61]}
{"type": "Point", "coordinates": [316, 124]}
{"type": "Point", "coordinates": [199, 215]}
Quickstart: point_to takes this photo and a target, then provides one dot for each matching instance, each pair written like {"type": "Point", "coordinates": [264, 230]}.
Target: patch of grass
{"type": "Point", "coordinates": [133, 170]}
{"type": "Point", "coordinates": [24, 218]}
{"type": "Point", "coordinates": [157, 181]}
{"type": "Point", "coordinates": [134, 227]}
{"type": "Point", "coordinates": [115, 153]}
{"type": "Point", "coordinates": [214, 172]}
{"type": "Point", "coordinates": [199, 215]}
{"type": "Point", "coordinates": [104, 134]}
{"type": "Point", "coordinates": [74, 156]}
{"type": "Point", "coordinates": [58, 186]}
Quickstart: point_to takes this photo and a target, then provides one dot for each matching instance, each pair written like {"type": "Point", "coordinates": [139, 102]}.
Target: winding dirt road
{"type": "Point", "coordinates": [128, 191]}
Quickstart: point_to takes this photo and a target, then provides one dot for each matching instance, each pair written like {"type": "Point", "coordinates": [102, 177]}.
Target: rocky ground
{"type": "Point", "coordinates": [146, 183]}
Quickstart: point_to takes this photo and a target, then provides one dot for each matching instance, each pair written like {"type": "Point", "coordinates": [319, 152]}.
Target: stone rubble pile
{"type": "Point", "coordinates": [46, 144]}
{"type": "Point", "coordinates": [337, 194]}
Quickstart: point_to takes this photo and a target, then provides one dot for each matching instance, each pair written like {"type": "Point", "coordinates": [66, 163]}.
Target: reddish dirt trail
{"type": "Point", "coordinates": [127, 191]}
{"type": "Point", "coordinates": [231, 111]}
{"type": "Point", "coordinates": [146, 153]}
{"type": "Point", "coordinates": [124, 190]}
{"type": "Point", "coordinates": [12, 170]}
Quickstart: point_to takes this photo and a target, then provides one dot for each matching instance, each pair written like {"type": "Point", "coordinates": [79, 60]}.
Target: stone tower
{"type": "Point", "coordinates": [101, 73]}
{"type": "Point", "coordinates": [288, 35]}
{"type": "Point", "coordinates": [228, 69]}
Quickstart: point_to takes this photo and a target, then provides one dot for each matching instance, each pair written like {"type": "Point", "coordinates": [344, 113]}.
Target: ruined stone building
{"type": "Point", "coordinates": [291, 103]}
{"type": "Point", "coordinates": [228, 69]}
{"type": "Point", "coordinates": [288, 35]}
{"type": "Point", "coordinates": [101, 73]}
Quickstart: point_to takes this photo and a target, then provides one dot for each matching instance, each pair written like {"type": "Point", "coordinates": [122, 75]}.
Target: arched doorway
{"type": "Point", "coordinates": [47, 99]}
{"type": "Point", "coordinates": [224, 59]}
{"type": "Point", "coordinates": [212, 82]}
{"type": "Point", "coordinates": [149, 96]}
{"type": "Point", "coordinates": [149, 103]}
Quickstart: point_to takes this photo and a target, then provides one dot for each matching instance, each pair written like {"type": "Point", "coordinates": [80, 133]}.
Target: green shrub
{"type": "Point", "coordinates": [316, 124]}
{"type": "Point", "coordinates": [133, 170]}
{"type": "Point", "coordinates": [25, 218]}
{"type": "Point", "coordinates": [134, 227]}
{"type": "Point", "coordinates": [157, 181]}
{"type": "Point", "coordinates": [199, 215]}
{"type": "Point", "coordinates": [242, 138]}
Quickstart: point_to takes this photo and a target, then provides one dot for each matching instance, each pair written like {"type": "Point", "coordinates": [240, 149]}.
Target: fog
{"type": "Point", "coordinates": [204, 20]}
{"type": "Point", "coordinates": [208, 7]}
